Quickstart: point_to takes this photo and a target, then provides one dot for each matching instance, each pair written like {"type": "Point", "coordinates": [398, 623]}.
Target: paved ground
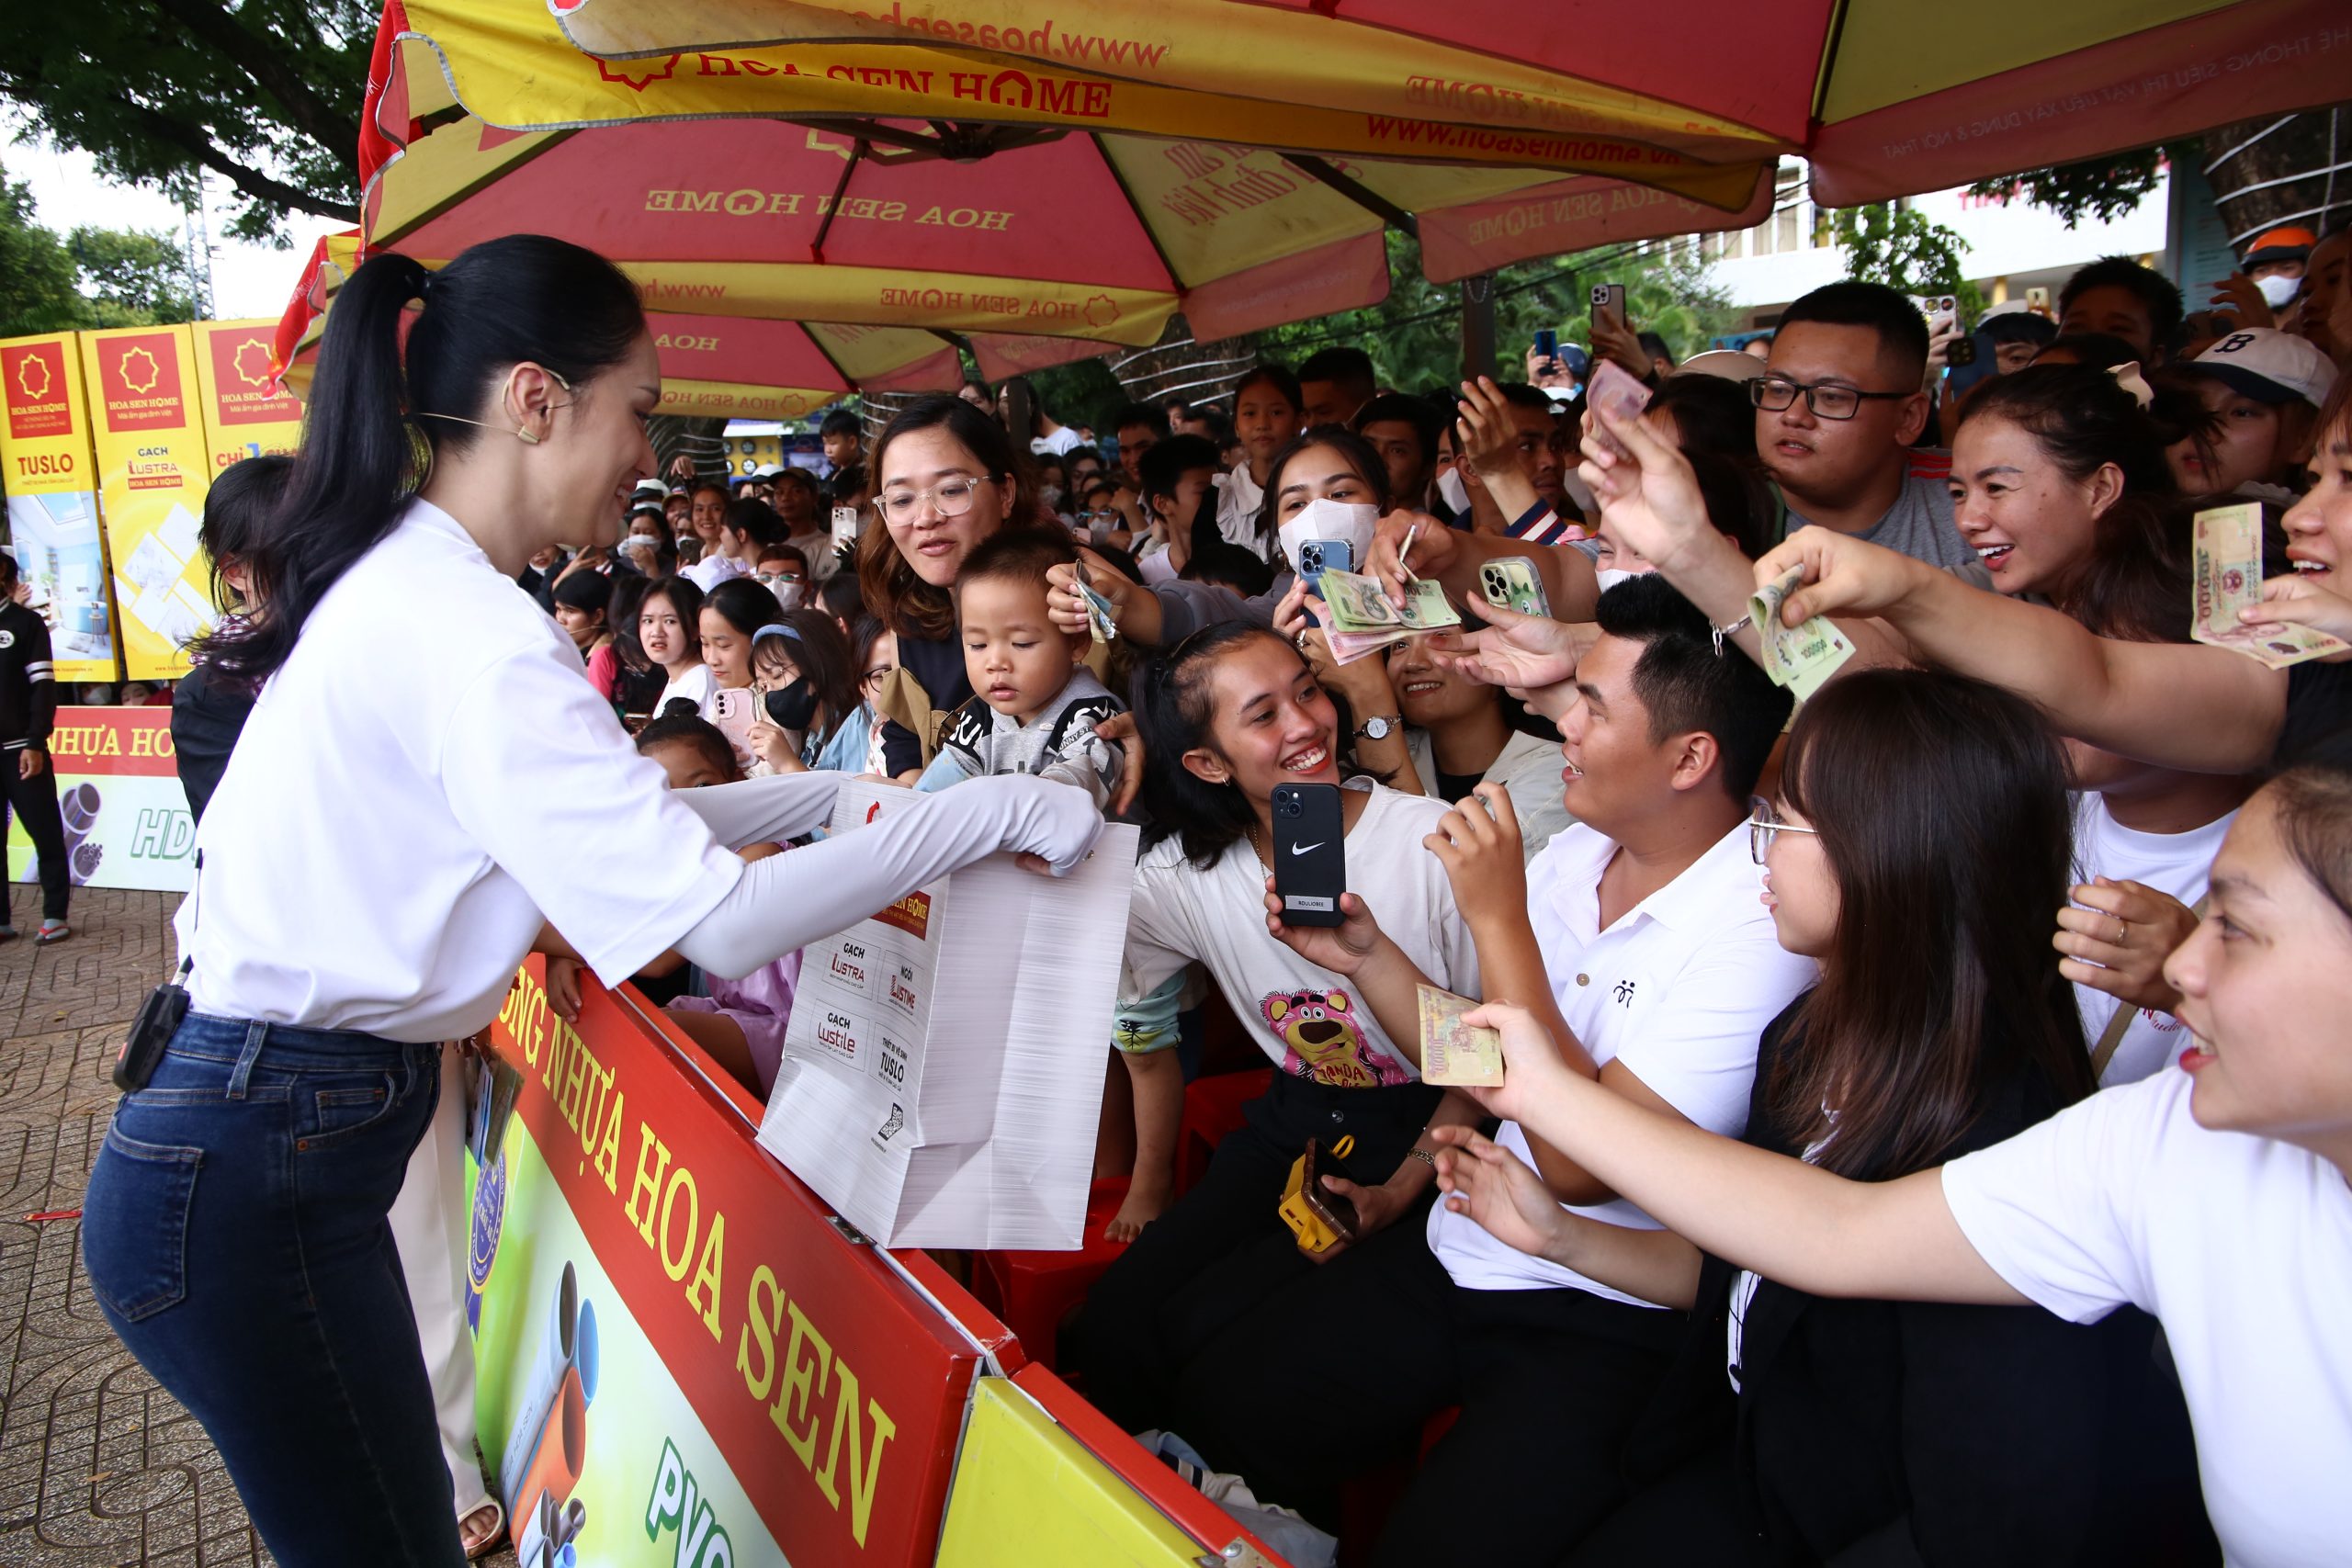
{"type": "Point", "coordinates": [98, 1465]}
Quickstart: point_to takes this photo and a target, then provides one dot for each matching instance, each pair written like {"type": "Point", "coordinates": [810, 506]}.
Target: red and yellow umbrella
{"type": "Point", "coordinates": [1884, 98]}
{"type": "Point", "coordinates": [484, 121]}
{"type": "Point", "coordinates": [715, 366]}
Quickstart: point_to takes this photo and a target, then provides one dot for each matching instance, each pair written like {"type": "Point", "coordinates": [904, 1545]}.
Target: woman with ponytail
{"type": "Point", "coordinates": [387, 842]}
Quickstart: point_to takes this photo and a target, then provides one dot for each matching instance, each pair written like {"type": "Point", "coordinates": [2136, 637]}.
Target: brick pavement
{"type": "Point", "coordinates": [98, 1465]}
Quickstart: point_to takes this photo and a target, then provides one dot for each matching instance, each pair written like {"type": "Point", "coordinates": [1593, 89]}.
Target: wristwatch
{"type": "Point", "coordinates": [1380, 726]}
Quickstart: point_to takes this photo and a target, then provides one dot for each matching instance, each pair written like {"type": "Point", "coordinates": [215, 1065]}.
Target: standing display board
{"type": "Point", "coordinates": [246, 413]}
{"type": "Point", "coordinates": [126, 818]}
{"type": "Point", "coordinates": [153, 472]}
{"type": "Point", "coordinates": [51, 477]}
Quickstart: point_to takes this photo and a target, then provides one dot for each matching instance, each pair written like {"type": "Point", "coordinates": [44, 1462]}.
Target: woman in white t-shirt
{"type": "Point", "coordinates": [2219, 1199]}
{"type": "Point", "coordinates": [1232, 712]}
{"type": "Point", "coordinates": [391, 839]}
{"type": "Point", "coordinates": [669, 628]}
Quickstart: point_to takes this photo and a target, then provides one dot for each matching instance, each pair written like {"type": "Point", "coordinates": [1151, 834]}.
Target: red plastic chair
{"type": "Point", "coordinates": [1212, 1109]}
{"type": "Point", "coordinates": [1031, 1292]}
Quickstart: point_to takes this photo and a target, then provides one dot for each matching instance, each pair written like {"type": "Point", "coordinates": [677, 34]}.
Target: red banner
{"type": "Point", "coordinates": [833, 1391]}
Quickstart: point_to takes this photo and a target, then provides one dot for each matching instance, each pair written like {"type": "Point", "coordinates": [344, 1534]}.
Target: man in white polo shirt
{"type": "Point", "coordinates": [1642, 923]}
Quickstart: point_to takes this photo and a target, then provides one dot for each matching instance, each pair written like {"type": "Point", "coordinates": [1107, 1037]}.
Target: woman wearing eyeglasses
{"type": "Point", "coordinates": [946, 477]}
{"type": "Point", "coordinates": [1921, 836]}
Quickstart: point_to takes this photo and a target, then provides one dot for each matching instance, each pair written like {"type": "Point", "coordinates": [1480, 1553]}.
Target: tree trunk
{"type": "Point", "coordinates": [2281, 169]}
{"type": "Point", "coordinates": [1177, 366]}
{"type": "Point", "coordinates": [703, 440]}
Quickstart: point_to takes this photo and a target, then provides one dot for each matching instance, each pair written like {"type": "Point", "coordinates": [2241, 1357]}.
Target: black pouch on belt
{"type": "Point", "coordinates": [158, 1021]}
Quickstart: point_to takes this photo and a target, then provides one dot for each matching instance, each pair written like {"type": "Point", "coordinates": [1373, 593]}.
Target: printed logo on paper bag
{"type": "Point", "coordinates": [139, 382]}
{"type": "Point", "coordinates": [36, 378]}
{"type": "Point", "coordinates": [911, 914]}
{"type": "Point", "coordinates": [246, 391]}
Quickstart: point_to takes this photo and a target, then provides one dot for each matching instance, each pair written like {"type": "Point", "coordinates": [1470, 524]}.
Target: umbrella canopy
{"type": "Point", "coordinates": [1014, 233]}
{"type": "Point", "coordinates": [716, 366]}
{"type": "Point", "coordinates": [1881, 100]}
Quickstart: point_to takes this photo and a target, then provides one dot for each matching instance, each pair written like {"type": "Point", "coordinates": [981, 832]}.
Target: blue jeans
{"type": "Point", "coordinates": [235, 1231]}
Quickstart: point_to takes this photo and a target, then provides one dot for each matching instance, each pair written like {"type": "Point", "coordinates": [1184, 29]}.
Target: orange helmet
{"type": "Point", "coordinates": [2286, 243]}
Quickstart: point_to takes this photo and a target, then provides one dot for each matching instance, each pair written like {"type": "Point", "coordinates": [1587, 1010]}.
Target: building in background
{"type": "Point", "coordinates": [2012, 246]}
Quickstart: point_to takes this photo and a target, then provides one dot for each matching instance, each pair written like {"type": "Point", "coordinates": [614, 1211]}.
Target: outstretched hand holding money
{"type": "Point", "coordinates": [1843, 576]}
{"type": "Point", "coordinates": [2299, 601]}
{"type": "Point", "coordinates": [1533, 1068]}
{"type": "Point", "coordinates": [2227, 606]}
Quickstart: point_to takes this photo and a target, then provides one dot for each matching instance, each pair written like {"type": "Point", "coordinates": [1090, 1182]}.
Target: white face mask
{"type": "Point", "coordinates": [1351, 521]}
{"type": "Point", "coordinates": [788, 594]}
{"type": "Point", "coordinates": [2280, 291]}
{"type": "Point", "coordinates": [1050, 494]}
{"type": "Point", "coordinates": [1451, 491]}
{"type": "Point", "coordinates": [1610, 577]}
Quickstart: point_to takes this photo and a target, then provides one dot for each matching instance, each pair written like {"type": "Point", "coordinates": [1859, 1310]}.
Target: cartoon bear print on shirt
{"type": "Point", "coordinates": [1325, 1042]}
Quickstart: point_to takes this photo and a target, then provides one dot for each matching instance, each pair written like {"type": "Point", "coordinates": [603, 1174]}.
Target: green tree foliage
{"type": "Point", "coordinates": [1896, 244]}
{"type": "Point", "coordinates": [264, 94]}
{"type": "Point", "coordinates": [95, 278]}
{"type": "Point", "coordinates": [2100, 188]}
{"type": "Point", "coordinates": [1415, 335]}
{"type": "Point", "coordinates": [37, 292]}
{"type": "Point", "coordinates": [133, 276]}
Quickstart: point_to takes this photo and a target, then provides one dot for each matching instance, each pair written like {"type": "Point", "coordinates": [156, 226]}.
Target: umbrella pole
{"type": "Point", "coordinates": [1478, 326]}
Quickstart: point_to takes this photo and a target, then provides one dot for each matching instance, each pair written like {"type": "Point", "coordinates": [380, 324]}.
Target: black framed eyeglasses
{"type": "Point", "coordinates": [1828, 400]}
{"type": "Point", "coordinates": [1763, 824]}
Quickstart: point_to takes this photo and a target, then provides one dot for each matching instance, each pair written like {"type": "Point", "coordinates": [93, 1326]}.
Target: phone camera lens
{"type": "Point", "coordinates": [1290, 809]}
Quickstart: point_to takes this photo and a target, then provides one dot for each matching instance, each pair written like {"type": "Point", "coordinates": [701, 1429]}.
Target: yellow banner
{"type": "Point", "coordinates": [245, 414]}
{"type": "Point", "coordinates": [1026, 1495]}
{"type": "Point", "coordinates": [51, 483]}
{"type": "Point", "coordinates": [512, 66]}
{"type": "Point", "coordinates": [153, 473]}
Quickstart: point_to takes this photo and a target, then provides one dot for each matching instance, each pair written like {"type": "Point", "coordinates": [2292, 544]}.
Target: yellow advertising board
{"type": "Point", "coordinates": [153, 472]}
{"type": "Point", "coordinates": [51, 484]}
{"type": "Point", "coordinates": [245, 414]}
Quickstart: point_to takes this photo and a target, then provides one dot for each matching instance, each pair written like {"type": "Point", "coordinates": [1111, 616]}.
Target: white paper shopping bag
{"type": "Point", "coordinates": [943, 1069]}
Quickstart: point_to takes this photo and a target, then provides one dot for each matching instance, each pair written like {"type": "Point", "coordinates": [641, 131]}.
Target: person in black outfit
{"type": "Point", "coordinates": [27, 709]}
{"type": "Point", "coordinates": [208, 712]}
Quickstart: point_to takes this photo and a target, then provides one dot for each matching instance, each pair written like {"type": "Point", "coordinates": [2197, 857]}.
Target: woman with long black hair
{"type": "Point", "coordinates": [386, 843]}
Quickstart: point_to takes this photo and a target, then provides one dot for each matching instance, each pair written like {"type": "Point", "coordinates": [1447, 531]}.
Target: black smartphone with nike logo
{"type": "Point", "coordinates": [1309, 853]}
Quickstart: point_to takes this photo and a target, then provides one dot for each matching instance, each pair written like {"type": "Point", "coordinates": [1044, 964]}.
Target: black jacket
{"type": "Point", "coordinates": [937, 664]}
{"type": "Point", "coordinates": [28, 679]}
{"type": "Point", "coordinates": [1915, 1432]}
{"type": "Point", "coordinates": [207, 715]}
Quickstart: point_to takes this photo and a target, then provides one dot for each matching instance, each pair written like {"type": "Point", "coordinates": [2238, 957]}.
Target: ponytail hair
{"type": "Point", "coordinates": [374, 424]}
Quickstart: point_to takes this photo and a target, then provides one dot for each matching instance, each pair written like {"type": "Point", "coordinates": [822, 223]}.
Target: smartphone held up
{"type": "Point", "coordinates": [1309, 853]}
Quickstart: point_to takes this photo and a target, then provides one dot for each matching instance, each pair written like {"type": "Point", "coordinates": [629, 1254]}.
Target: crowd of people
{"type": "Point", "coordinates": [1927, 1131]}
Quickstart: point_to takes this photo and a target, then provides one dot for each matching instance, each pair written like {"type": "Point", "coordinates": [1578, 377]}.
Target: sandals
{"type": "Point", "coordinates": [480, 1543]}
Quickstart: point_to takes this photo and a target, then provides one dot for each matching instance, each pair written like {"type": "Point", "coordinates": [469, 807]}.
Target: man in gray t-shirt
{"type": "Point", "coordinates": [1847, 373]}
{"type": "Point", "coordinates": [1919, 525]}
